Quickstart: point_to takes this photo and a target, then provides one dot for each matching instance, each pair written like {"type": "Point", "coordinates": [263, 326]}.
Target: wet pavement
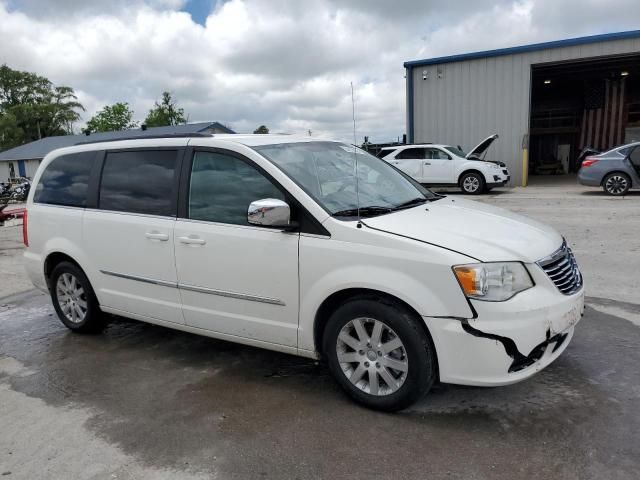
{"type": "Point", "coordinates": [141, 401]}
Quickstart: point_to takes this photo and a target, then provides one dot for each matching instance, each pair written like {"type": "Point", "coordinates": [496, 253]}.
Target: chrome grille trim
{"type": "Point", "coordinates": [562, 269]}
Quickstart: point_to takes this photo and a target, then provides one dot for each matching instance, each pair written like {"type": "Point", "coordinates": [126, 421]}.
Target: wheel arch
{"type": "Point", "coordinates": [55, 258]}
{"type": "Point", "coordinates": [333, 301]}
{"type": "Point", "coordinates": [620, 172]}
{"type": "Point", "coordinates": [471, 170]}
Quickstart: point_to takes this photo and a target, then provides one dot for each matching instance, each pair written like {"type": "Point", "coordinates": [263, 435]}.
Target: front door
{"type": "Point", "coordinates": [410, 161]}
{"type": "Point", "coordinates": [234, 278]}
{"type": "Point", "coordinates": [439, 167]}
{"type": "Point", "coordinates": [129, 237]}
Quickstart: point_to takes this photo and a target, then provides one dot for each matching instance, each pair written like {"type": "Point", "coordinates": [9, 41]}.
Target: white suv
{"type": "Point", "coordinates": [269, 240]}
{"type": "Point", "coordinates": [446, 166]}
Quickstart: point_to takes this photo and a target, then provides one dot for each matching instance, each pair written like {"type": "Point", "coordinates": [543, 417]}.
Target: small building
{"type": "Point", "coordinates": [23, 161]}
{"type": "Point", "coordinates": [546, 101]}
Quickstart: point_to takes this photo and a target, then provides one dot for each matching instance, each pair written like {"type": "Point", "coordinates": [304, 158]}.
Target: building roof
{"type": "Point", "coordinates": [569, 42]}
{"type": "Point", "coordinates": [42, 147]}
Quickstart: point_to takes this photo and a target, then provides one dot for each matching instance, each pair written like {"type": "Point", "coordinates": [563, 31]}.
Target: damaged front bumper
{"type": "Point", "coordinates": [507, 341]}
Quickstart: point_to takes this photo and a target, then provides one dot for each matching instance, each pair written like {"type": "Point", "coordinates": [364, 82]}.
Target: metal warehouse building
{"type": "Point", "coordinates": [546, 101]}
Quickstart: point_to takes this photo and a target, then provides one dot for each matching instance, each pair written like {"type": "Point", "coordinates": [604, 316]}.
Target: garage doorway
{"type": "Point", "coordinates": [578, 105]}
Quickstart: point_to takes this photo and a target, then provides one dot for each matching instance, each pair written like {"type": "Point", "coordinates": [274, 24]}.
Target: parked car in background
{"type": "Point", "coordinates": [446, 166]}
{"type": "Point", "coordinates": [269, 241]}
{"type": "Point", "coordinates": [616, 170]}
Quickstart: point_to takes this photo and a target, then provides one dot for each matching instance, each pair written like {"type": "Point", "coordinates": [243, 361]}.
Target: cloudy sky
{"type": "Point", "coordinates": [283, 63]}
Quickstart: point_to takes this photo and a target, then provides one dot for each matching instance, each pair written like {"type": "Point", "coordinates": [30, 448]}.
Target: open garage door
{"type": "Point", "coordinates": [592, 103]}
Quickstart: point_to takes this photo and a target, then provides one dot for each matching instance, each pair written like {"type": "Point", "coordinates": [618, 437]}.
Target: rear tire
{"type": "Point", "coordinates": [74, 299]}
{"type": "Point", "coordinates": [472, 183]}
{"type": "Point", "coordinates": [616, 184]}
{"type": "Point", "coordinates": [378, 353]}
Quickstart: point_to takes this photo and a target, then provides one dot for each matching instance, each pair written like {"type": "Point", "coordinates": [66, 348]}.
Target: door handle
{"type": "Point", "coordinates": [192, 240]}
{"type": "Point", "coordinates": [162, 237]}
{"type": "Point", "coordinates": [427, 163]}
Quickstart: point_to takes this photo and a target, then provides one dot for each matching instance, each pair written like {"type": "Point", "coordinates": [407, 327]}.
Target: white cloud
{"type": "Point", "coordinates": [283, 63]}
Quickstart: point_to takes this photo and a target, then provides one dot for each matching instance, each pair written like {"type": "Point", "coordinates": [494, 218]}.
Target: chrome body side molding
{"type": "Point", "coordinates": [195, 288]}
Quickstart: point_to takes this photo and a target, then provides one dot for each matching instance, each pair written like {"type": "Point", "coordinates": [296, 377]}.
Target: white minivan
{"type": "Point", "coordinates": [274, 241]}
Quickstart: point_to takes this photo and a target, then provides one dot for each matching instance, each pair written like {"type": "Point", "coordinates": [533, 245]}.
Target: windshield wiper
{"type": "Point", "coordinates": [410, 203]}
{"type": "Point", "coordinates": [371, 210]}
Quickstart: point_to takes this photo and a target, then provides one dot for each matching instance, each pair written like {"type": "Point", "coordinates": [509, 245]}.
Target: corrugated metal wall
{"type": "Point", "coordinates": [463, 102]}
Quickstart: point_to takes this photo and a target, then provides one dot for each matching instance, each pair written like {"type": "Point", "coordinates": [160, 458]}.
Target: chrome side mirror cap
{"type": "Point", "coordinates": [270, 212]}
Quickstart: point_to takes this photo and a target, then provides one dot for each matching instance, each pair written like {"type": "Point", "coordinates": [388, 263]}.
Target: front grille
{"type": "Point", "coordinates": [562, 269]}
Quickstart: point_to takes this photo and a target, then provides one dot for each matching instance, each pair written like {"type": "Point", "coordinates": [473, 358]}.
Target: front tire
{"type": "Point", "coordinates": [74, 299]}
{"type": "Point", "coordinates": [378, 353]}
{"type": "Point", "coordinates": [472, 183]}
{"type": "Point", "coordinates": [616, 184]}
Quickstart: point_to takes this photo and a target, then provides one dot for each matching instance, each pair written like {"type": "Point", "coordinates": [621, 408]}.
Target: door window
{"type": "Point", "coordinates": [65, 180]}
{"type": "Point", "coordinates": [411, 154]}
{"type": "Point", "coordinates": [222, 187]}
{"type": "Point", "coordinates": [139, 181]}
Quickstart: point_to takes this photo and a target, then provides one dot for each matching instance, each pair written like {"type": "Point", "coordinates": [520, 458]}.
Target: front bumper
{"type": "Point", "coordinates": [507, 341]}
{"type": "Point", "coordinates": [498, 179]}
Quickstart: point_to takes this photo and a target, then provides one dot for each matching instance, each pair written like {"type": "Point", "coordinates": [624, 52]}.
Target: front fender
{"type": "Point", "coordinates": [328, 267]}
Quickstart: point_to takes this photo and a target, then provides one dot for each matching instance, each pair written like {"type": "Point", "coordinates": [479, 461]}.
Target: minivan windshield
{"type": "Point", "coordinates": [326, 171]}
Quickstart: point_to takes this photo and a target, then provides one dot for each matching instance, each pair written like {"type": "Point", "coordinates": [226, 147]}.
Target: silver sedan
{"type": "Point", "coordinates": [616, 170]}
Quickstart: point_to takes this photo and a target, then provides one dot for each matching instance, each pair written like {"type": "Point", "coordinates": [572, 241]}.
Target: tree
{"type": "Point", "coordinates": [112, 118]}
{"type": "Point", "coordinates": [261, 129]}
{"type": "Point", "coordinates": [31, 107]}
{"type": "Point", "coordinates": [165, 113]}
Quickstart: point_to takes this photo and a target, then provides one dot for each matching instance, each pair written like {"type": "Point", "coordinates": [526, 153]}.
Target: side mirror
{"type": "Point", "coordinates": [270, 212]}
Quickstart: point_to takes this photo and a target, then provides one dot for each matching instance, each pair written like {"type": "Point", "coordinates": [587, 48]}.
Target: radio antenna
{"type": "Point", "coordinates": [355, 155]}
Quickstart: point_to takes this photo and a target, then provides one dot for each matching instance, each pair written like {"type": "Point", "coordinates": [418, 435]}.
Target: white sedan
{"type": "Point", "coordinates": [446, 166]}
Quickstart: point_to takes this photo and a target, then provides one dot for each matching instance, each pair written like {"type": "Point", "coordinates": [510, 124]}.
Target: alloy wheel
{"type": "Point", "coordinates": [471, 184]}
{"type": "Point", "coordinates": [616, 184]}
{"type": "Point", "coordinates": [372, 356]}
{"type": "Point", "coordinates": [71, 298]}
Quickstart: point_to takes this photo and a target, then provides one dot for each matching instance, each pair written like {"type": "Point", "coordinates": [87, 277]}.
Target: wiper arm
{"type": "Point", "coordinates": [410, 203]}
{"type": "Point", "coordinates": [364, 211]}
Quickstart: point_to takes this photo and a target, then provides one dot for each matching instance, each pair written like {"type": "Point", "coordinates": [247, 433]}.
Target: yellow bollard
{"type": "Point", "coordinates": [525, 166]}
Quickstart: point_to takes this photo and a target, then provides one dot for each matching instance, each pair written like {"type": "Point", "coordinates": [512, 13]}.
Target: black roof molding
{"type": "Point", "coordinates": [147, 137]}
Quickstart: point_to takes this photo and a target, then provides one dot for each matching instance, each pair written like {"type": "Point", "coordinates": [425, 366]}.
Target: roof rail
{"type": "Point", "coordinates": [407, 144]}
{"type": "Point", "coordinates": [147, 137]}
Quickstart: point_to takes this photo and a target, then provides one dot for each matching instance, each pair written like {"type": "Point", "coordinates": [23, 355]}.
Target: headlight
{"type": "Point", "coordinates": [493, 282]}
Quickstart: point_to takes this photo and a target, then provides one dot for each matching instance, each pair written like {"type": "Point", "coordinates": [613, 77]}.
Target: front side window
{"type": "Point", "coordinates": [140, 181]}
{"type": "Point", "coordinates": [436, 154]}
{"type": "Point", "coordinates": [456, 151]}
{"type": "Point", "coordinates": [326, 171]}
{"type": "Point", "coordinates": [222, 187]}
{"type": "Point", "coordinates": [65, 180]}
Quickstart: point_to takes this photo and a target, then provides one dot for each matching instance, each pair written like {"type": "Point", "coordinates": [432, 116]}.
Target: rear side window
{"type": "Point", "coordinates": [223, 186]}
{"type": "Point", "coordinates": [384, 153]}
{"type": "Point", "coordinates": [411, 153]}
{"type": "Point", "coordinates": [65, 180]}
{"type": "Point", "coordinates": [139, 182]}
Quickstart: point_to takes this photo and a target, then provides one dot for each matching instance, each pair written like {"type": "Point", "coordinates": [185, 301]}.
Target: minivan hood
{"type": "Point", "coordinates": [482, 147]}
{"type": "Point", "coordinates": [475, 229]}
